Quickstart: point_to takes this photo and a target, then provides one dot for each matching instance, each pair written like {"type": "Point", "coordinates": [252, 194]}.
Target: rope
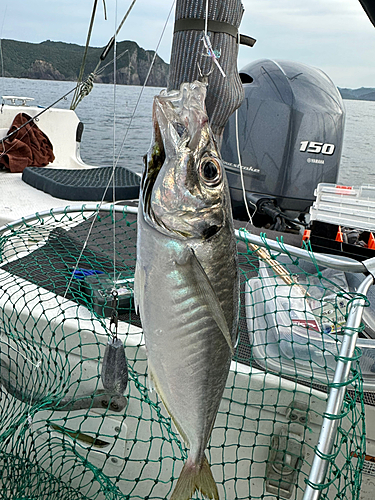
{"type": "Point", "coordinates": [88, 85]}
{"type": "Point", "coordinates": [76, 99]}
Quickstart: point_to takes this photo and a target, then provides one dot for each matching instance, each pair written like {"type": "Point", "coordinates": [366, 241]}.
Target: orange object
{"type": "Point", "coordinates": [371, 242]}
{"type": "Point", "coordinates": [339, 235]}
{"type": "Point", "coordinates": [306, 235]}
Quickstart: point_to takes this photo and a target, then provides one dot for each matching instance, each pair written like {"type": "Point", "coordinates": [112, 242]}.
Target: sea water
{"type": "Point", "coordinates": [118, 125]}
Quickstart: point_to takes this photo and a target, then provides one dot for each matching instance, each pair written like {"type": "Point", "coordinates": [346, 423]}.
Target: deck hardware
{"type": "Point", "coordinates": [285, 459]}
{"type": "Point", "coordinates": [297, 412]}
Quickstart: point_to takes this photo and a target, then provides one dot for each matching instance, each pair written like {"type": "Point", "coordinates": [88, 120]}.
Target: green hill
{"type": "Point", "coordinates": [62, 61]}
{"type": "Point", "coordinates": [362, 94]}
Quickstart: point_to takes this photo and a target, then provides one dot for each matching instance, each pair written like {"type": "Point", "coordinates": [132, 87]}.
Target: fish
{"type": "Point", "coordinates": [186, 284]}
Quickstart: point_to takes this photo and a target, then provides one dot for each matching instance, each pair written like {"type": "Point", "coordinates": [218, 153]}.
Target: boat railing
{"type": "Point", "coordinates": [323, 451]}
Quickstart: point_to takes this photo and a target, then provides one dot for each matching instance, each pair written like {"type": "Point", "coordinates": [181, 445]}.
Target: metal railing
{"type": "Point", "coordinates": [338, 387]}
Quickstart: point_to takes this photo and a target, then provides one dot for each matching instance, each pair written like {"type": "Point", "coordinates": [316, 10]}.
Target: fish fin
{"type": "Point", "coordinates": [139, 285]}
{"type": "Point", "coordinates": [154, 382]}
{"type": "Point", "coordinates": [195, 477]}
{"type": "Point", "coordinates": [209, 296]}
{"type": "Point", "coordinates": [151, 383]}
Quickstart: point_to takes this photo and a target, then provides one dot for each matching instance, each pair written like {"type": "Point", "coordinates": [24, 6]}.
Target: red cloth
{"type": "Point", "coordinates": [29, 146]}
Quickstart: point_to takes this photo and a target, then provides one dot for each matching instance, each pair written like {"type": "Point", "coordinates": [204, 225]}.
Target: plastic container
{"type": "Point", "coordinates": [345, 205]}
{"type": "Point", "coordinates": [99, 290]}
{"type": "Point", "coordinates": [337, 207]}
{"type": "Point", "coordinates": [299, 336]}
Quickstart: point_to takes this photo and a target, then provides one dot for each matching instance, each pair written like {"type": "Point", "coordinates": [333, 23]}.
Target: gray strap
{"type": "Point", "coordinates": [186, 24]}
{"type": "Point", "coordinates": [189, 23]}
{"type": "Point", "coordinates": [247, 40]}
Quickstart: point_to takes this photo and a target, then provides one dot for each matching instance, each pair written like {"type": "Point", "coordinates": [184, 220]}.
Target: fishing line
{"type": "Point", "coordinates": [32, 120]}
{"type": "Point", "coordinates": [145, 82]}
{"type": "Point", "coordinates": [118, 157]}
{"type": "Point", "coordinates": [114, 142]}
{"type": "Point", "coordinates": [206, 20]}
{"type": "Point", "coordinates": [203, 76]}
{"type": "Point", "coordinates": [241, 172]}
{"type": "Point", "coordinates": [35, 365]}
{"type": "Point", "coordinates": [138, 100]}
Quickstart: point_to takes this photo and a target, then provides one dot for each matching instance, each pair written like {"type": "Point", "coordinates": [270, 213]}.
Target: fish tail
{"type": "Point", "coordinates": [195, 477]}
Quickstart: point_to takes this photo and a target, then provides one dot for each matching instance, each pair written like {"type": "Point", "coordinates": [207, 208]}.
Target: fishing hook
{"type": "Point", "coordinates": [211, 52]}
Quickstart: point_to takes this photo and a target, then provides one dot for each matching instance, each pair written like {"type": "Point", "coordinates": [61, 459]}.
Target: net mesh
{"type": "Point", "coordinates": [63, 436]}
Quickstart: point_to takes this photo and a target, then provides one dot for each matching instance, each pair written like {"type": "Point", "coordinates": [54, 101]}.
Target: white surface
{"type": "Point", "coordinates": [346, 206]}
{"type": "Point", "coordinates": [60, 126]}
{"type": "Point", "coordinates": [18, 199]}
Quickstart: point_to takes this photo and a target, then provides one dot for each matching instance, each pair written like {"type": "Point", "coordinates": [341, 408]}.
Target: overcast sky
{"type": "Point", "coordinates": [333, 35]}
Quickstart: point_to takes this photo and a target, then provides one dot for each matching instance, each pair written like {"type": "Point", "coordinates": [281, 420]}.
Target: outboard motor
{"type": "Point", "coordinates": [290, 135]}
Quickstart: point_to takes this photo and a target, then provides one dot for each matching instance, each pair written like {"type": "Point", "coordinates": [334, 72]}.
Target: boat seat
{"type": "Point", "coordinates": [86, 184]}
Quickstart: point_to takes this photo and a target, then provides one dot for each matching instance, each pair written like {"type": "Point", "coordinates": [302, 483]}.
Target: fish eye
{"type": "Point", "coordinates": [210, 171]}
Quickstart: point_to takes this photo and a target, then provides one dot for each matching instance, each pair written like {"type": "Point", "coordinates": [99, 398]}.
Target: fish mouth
{"type": "Point", "coordinates": [155, 159]}
{"type": "Point", "coordinates": [175, 193]}
{"type": "Point", "coordinates": [153, 163]}
{"type": "Point", "coordinates": [211, 231]}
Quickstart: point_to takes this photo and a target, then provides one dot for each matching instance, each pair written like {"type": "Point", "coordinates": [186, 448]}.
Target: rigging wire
{"type": "Point", "coordinates": [77, 98]}
{"type": "Point", "coordinates": [145, 82]}
{"type": "Point", "coordinates": [80, 76]}
{"type": "Point", "coordinates": [119, 154]}
{"type": "Point", "coordinates": [125, 17]}
{"type": "Point", "coordinates": [111, 62]}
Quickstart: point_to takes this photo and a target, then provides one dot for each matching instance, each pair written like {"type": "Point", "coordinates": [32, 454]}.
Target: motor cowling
{"type": "Point", "coordinates": [290, 136]}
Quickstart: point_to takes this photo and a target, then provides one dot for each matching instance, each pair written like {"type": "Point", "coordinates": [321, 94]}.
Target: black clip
{"type": "Point", "coordinates": [114, 314]}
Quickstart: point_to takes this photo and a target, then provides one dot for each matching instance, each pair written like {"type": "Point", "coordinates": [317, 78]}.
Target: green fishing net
{"type": "Point", "coordinates": [63, 436]}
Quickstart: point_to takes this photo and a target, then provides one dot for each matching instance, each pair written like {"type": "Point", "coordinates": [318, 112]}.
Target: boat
{"type": "Point", "coordinates": [292, 419]}
{"type": "Point", "coordinates": [60, 181]}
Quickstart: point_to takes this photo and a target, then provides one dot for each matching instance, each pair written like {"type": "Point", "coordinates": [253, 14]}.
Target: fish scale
{"type": "Point", "coordinates": [186, 279]}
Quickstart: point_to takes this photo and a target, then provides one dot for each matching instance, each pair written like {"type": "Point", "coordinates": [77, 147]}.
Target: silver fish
{"type": "Point", "coordinates": [186, 280]}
